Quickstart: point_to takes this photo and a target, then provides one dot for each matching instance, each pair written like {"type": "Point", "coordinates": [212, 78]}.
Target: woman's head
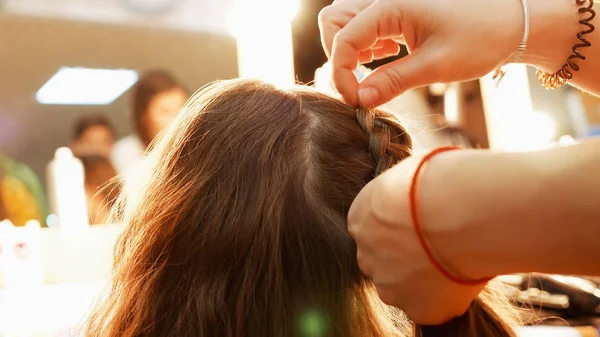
{"type": "Point", "coordinates": [157, 97]}
{"type": "Point", "coordinates": [93, 135]}
{"type": "Point", "coordinates": [240, 226]}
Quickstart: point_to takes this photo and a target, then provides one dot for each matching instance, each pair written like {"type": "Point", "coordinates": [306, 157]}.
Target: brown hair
{"type": "Point", "coordinates": [149, 85]}
{"type": "Point", "coordinates": [99, 177]}
{"type": "Point", "coordinates": [88, 121]}
{"type": "Point", "coordinates": [239, 228]}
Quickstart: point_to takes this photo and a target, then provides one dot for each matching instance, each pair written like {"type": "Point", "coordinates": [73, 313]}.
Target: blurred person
{"type": "Point", "coordinates": [155, 101]}
{"type": "Point", "coordinates": [239, 228]}
{"type": "Point", "coordinates": [21, 194]}
{"type": "Point", "coordinates": [101, 188]}
{"type": "Point", "coordinates": [93, 135]}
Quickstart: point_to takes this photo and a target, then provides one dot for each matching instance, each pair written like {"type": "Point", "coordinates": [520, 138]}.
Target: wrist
{"type": "Point", "coordinates": [477, 223]}
{"type": "Point", "coordinates": [494, 213]}
{"type": "Point", "coordinates": [554, 25]}
{"type": "Point", "coordinates": [450, 216]}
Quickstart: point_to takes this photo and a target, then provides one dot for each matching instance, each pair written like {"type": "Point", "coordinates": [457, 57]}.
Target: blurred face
{"type": "Point", "coordinates": [97, 139]}
{"type": "Point", "coordinates": [163, 108]}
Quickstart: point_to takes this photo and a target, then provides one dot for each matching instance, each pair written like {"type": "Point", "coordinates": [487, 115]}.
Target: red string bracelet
{"type": "Point", "coordinates": [417, 225]}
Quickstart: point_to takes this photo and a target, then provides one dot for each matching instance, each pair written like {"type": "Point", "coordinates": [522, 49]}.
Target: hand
{"type": "Point", "coordinates": [447, 40]}
{"type": "Point", "coordinates": [390, 254]}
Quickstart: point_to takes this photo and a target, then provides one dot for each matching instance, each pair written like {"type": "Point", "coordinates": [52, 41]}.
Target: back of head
{"type": "Point", "coordinates": [240, 227]}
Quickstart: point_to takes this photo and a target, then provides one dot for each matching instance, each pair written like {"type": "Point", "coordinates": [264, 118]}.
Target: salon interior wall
{"type": "Point", "coordinates": [574, 113]}
{"type": "Point", "coordinates": [550, 106]}
{"type": "Point", "coordinates": [592, 109]}
{"type": "Point", "coordinates": [470, 114]}
{"type": "Point", "coordinates": [521, 115]}
{"type": "Point", "coordinates": [591, 104]}
{"type": "Point", "coordinates": [39, 36]}
{"type": "Point", "coordinates": [194, 15]}
{"type": "Point", "coordinates": [552, 103]}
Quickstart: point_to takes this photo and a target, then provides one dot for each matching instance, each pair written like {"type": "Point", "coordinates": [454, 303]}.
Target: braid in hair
{"type": "Point", "coordinates": [389, 142]}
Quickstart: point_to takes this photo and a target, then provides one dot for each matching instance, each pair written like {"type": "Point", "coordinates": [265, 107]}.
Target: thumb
{"type": "Point", "coordinates": [393, 79]}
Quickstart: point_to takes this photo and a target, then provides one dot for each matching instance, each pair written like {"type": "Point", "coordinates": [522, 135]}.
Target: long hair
{"type": "Point", "coordinates": [99, 179]}
{"type": "Point", "coordinates": [149, 86]}
{"type": "Point", "coordinates": [99, 173]}
{"type": "Point", "coordinates": [239, 226]}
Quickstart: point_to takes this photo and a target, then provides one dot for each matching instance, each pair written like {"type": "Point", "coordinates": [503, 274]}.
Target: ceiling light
{"type": "Point", "coordinates": [85, 86]}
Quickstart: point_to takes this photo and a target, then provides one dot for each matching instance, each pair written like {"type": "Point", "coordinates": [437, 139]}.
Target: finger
{"type": "Point", "coordinates": [380, 56]}
{"type": "Point", "coordinates": [327, 28]}
{"type": "Point", "coordinates": [379, 44]}
{"type": "Point", "coordinates": [381, 49]}
{"type": "Point", "coordinates": [345, 81]}
{"type": "Point", "coordinates": [388, 44]}
{"type": "Point", "coordinates": [388, 49]}
{"type": "Point", "coordinates": [335, 16]}
{"type": "Point", "coordinates": [360, 34]}
{"type": "Point", "coordinates": [400, 40]}
{"type": "Point", "coordinates": [366, 56]}
{"type": "Point", "coordinates": [388, 81]}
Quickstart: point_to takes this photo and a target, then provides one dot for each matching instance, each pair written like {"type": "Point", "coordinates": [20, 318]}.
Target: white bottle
{"type": "Point", "coordinates": [66, 192]}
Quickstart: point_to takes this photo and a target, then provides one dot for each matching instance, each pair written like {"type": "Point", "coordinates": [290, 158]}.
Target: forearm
{"type": "Point", "coordinates": [554, 26]}
{"type": "Point", "coordinates": [516, 212]}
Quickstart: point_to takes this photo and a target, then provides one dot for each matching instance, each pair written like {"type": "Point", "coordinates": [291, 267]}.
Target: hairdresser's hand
{"type": "Point", "coordinates": [447, 40]}
{"type": "Point", "coordinates": [390, 254]}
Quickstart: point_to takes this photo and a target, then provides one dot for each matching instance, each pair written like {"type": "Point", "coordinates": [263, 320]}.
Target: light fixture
{"type": "Point", "coordinates": [264, 40]}
{"type": "Point", "coordinates": [86, 86]}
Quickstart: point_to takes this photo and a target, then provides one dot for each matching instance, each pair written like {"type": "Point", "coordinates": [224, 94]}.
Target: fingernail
{"type": "Point", "coordinates": [368, 96]}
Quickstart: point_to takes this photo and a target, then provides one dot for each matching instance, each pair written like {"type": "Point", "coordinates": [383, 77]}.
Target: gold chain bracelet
{"type": "Point", "coordinates": [565, 73]}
